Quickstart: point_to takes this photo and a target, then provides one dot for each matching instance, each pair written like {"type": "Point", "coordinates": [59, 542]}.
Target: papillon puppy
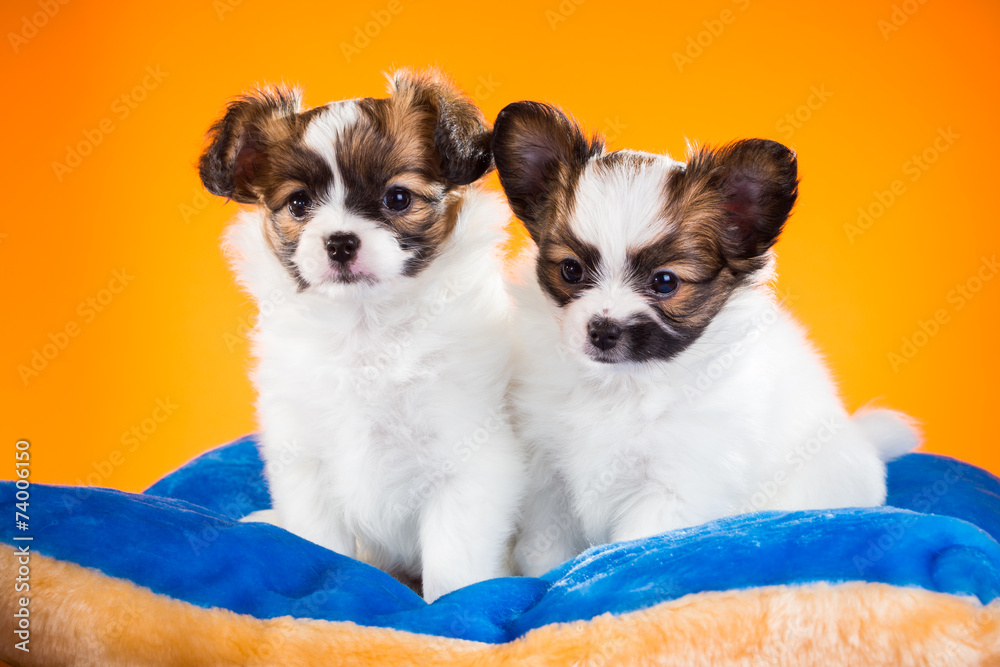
{"type": "Point", "coordinates": [383, 343]}
{"type": "Point", "coordinates": [659, 382]}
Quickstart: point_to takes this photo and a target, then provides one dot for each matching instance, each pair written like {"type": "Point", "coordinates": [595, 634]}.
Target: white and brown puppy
{"type": "Point", "coordinates": [659, 383]}
{"type": "Point", "coordinates": [383, 341]}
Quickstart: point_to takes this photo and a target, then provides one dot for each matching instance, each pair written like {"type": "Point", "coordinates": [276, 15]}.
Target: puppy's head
{"type": "Point", "coordinates": [639, 252]}
{"type": "Point", "coordinates": [360, 192]}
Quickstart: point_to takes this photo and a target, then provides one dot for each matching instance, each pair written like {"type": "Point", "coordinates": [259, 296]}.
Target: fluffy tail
{"type": "Point", "coordinates": [893, 433]}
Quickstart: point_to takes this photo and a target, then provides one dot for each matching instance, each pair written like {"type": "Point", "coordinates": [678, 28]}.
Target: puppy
{"type": "Point", "coordinates": [659, 383]}
{"type": "Point", "coordinates": [382, 348]}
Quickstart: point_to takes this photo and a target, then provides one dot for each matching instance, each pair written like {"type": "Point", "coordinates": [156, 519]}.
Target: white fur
{"type": "Point", "coordinates": [381, 407]}
{"type": "Point", "coordinates": [745, 419]}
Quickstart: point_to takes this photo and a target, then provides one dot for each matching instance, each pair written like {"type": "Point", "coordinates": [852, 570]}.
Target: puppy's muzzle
{"type": "Point", "coordinates": [342, 248]}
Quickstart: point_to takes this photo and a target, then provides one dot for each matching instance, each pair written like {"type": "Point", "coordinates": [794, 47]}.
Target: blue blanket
{"type": "Point", "coordinates": [182, 539]}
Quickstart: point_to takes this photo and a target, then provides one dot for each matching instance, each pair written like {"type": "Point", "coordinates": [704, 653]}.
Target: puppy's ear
{"type": "Point", "coordinates": [461, 134]}
{"type": "Point", "coordinates": [757, 181]}
{"type": "Point", "coordinates": [238, 141]}
{"type": "Point", "coordinates": [538, 150]}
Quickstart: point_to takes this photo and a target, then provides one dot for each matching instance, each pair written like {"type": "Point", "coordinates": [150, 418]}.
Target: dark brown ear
{"type": "Point", "coordinates": [757, 181]}
{"type": "Point", "coordinates": [239, 140]}
{"type": "Point", "coordinates": [461, 133]}
{"type": "Point", "coordinates": [537, 149]}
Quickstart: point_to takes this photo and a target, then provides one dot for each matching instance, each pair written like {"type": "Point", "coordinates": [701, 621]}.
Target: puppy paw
{"type": "Point", "coordinates": [262, 516]}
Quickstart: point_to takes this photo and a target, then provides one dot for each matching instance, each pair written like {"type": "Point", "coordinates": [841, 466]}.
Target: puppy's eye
{"type": "Point", "coordinates": [397, 199]}
{"type": "Point", "coordinates": [665, 282]}
{"type": "Point", "coordinates": [571, 270]}
{"type": "Point", "coordinates": [299, 204]}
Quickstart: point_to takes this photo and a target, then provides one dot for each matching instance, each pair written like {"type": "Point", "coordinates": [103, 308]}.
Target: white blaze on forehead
{"type": "Point", "coordinates": [322, 135]}
{"type": "Point", "coordinates": [619, 208]}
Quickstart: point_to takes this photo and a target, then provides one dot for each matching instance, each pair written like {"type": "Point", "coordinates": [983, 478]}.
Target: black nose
{"type": "Point", "coordinates": [604, 333]}
{"type": "Point", "coordinates": [342, 248]}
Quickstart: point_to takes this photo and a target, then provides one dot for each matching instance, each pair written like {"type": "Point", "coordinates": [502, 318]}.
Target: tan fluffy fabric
{"type": "Point", "coordinates": [82, 617]}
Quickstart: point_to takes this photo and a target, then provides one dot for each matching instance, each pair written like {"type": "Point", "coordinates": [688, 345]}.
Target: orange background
{"type": "Point", "coordinates": [176, 332]}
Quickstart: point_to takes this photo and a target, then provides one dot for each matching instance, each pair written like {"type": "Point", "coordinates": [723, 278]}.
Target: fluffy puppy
{"type": "Point", "coordinates": [382, 346]}
{"type": "Point", "coordinates": [659, 383]}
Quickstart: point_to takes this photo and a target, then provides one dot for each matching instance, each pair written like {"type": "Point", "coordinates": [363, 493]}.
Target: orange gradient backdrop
{"type": "Point", "coordinates": [129, 88]}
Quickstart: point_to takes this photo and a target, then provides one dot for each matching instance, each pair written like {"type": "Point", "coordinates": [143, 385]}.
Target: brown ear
{"type": "Point", "coordinates": [757, 182]}
{"type": "Point", "coordinates": [461, 134]}
{"type": "Point", "coordinates": [239, 140]}
{"type": "Point", "coordinates": [536, 147]}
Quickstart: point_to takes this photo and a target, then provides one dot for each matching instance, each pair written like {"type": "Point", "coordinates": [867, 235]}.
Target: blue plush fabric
{"type": "Point", "coordinates": [228, 480]}
{"type": "Point", "coordinates": [182, 539]}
